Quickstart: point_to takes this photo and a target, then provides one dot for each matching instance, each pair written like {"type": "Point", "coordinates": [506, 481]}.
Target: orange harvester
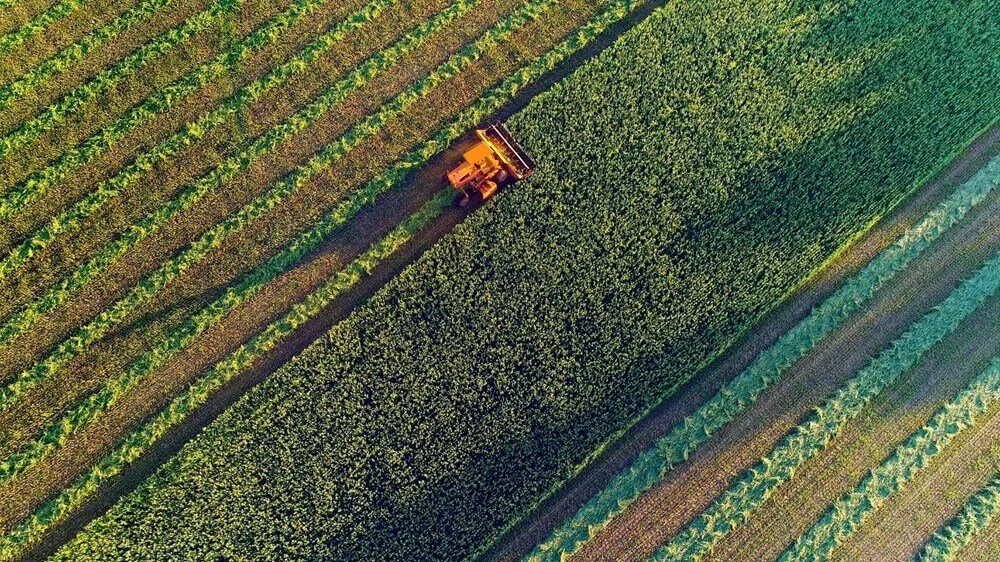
{"type": "Point", "coordinates": [494, 161]}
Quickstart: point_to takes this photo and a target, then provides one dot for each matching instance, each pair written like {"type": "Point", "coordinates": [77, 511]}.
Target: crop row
{"type": "Point", "coordinates": [744, 496]}
{"type": "Point", "coordinates": [79, 416]}
{"type": "Point", "coordinates": [38, 24]}
{"type": "Point", "coordinates": [139, 442]}
{"type": "Point", "coordinates": [847, 514]}
{"type": "Point", "coordinates": [43, 180]}
{"type": "Point", "coordinates": [101, 83]}
{"type": "Point", "coordinates": [69, 221]}
{"type": "Point", "coordinates": [974, 517]}
{"type": "Point", "coordinates": [653, 464]}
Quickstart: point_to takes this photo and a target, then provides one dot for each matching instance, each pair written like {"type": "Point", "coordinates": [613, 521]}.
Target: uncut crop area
{"type": "Point", "coordinates": [145, 177]}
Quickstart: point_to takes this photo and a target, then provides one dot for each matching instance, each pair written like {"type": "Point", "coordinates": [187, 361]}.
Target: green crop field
{"type": "Point", "coordinates": [193, 190]}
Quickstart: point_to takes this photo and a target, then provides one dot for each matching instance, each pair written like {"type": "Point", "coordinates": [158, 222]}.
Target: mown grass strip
{"type": "Point", "coordinates": [43, 180]}
{"type": "Point", "coordinates": [38, 24]}
{"type": "Point", "coordinates": [69, 221]}
{"type": "Point", "coordinates": [137, 443]}
{"type": "Point", "coordinates": [974, 517]}
{"type": "Point", "coordinates": [744, 496]}
{"type": "Point", "coordinates": [80, 415]}
{"type": "Point", "coordinates": [653, 464]}
{"type": "Point", "coordinates": [147, 289]}
{"type": "Point", "coordinates": [104, 80]}
{"type": "Point", "coordinates": [848, 513]}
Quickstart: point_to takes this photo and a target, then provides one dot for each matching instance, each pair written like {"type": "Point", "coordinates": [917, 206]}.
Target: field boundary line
{"type": "Point", "coordinates": [71, 102]}
{"type": "Point", "coordinates": [57, 509]}
{"type": "Point", "coordinates": [655, 463]}
{"type": "Point", "coordinates": [197, 189]}
{"type": "Point", "coordinates": [37, 24]}
{"type": "Point", "coordinates": [849, 512]}
{"type": "Point", "coordinates": [79, 416]}
{"type": "Point", "coordinates": [744, 495]}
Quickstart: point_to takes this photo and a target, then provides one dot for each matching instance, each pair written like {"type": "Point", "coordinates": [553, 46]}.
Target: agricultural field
{"type": "Point", "coordinates": [244, 319]}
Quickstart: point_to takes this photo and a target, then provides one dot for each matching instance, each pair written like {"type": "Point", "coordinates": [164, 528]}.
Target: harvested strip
{"type": "Point", "coordinates": [43, 180]}
{"type": "Point", "coordinates": [38, 24]}
{"type": "Point", "coordinates": [744, 496]}
{"type": "Point", "coordinates": [136, 444]}
{"type": "Point", "coordinates": [653, 464]}
{"type": "Point", "coordinates": [975, 516]}
{"type": "Point", "coordinates": [845, 516]}
{"type": "Point", "coordinates": [79, 416]}
{"type": "Point", "coordinates": [46, 179]}
{"type": "Point", "coordinates": [105, 80]}
{"type": "Point", "coordinates": [69, 221]}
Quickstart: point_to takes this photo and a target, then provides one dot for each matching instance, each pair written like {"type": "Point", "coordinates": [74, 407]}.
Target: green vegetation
{"type": "Point", "coordinates": [689, 176]}
{"type": "Point", "coordinates": [745, 495]}
{"type": "Point", "coordinates": [83, 413]}
{"type": "Point", "coordinates": [38, 24]}
{"type": "Point", "coordinates": [974, 517]}
{"type": "Point", "coordinates": [847, 514]}
{"type": "Point", "coordinates": [104, 80]}
{"type": "Point", "coordinates": [737, 396]}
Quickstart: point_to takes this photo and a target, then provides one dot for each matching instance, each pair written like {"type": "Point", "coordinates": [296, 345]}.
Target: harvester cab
{"type": "Point", "coordinates": [494, 161]}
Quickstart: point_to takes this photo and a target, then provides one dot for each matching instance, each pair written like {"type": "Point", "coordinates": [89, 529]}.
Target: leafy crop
{"type": "Point", "coordinates": [653, 464]}
{"type": "Point", "coordinates": [80, 415]}
{"type": "Point", "coordinates": [104, 80]}
{"type": "Point", "coordinates": [848, 513]}
{"type": "Point", "coordinates": [757, 484]}
{"type": "Point", "coordinates": [38, 24]}
{"type": "Point", "coordinates": [974, 517]}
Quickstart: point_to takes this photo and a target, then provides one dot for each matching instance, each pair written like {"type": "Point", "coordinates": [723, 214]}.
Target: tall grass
{"type": "Point", "coordinates": [57, 434]}
{"type": "Point", "coordinates": [38, 24]}
{"type": "Point", "coordinates": [848, 513]}
{"type": "Point", "coordinates": [974, 517]}
{"type": "Point", "coordinates": [745, 495]}
{"type": "Point", "coordinates": [653, 464]}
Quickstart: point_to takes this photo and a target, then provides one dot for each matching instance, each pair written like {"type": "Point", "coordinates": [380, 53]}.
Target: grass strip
{"type": "Point", "coordinates": [974, 517]}
{"type": "Point", "coordinates": [38, 24]}
{"type": "Point", "coordinates": [132, 447]}
{"type": "Point", "coordinates": [43, 180]}
{"type": "Point", "coordinates": [72, 102]}
{"type": "Point", "coordinates": [80, 415]}
{"type": "Point", "coordinates": [652, 465]}
{"type": "Point", "coordinates": [198, 189]}
{"type": "Point", "coordinates": [745, 495]}
{"type": "Point", "coordinates": [848, 513]}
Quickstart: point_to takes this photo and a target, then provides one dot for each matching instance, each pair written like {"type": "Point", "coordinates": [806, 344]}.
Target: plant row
{"type": "Point", "coordinates": [848, 513]}
{"type": "Point", "coordinates": [38, 24]}
{"type": "Point", "coordinates": [58, 434]}
{"type": "Point", "coordinates": [161, 100]}
{"type": "Point", "coordinates": [655, 463]}
{"type": "Point", "coordinates": [974, 518]}
{"type": "Point", "coordinates": [101, 83]}
{"type": "Point", "coordinates": [684, 184]}
{"type": "Point", "coordinates": [743, 497]}
{"type": "Point", "coordinates": [71, 219]}
{"type": "Point", "coordinates": [139, 442]}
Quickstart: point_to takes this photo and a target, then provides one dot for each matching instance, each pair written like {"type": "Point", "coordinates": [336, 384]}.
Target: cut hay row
{"type": "Point", "coordinates": [101, 83]}
{"type": "Point", "coordinates": [656, 462]}
{"type": "Point", "coordinates": [147, 289]}
{"type": "Point", "coordinates": [38, 24]}
{"type": "Point", "coordinates": [195, 191]}
{"type": "Point", "coordinates": [136, 444]}
{"type": "Point", "coordinates": [78, 417]}
{"type": "Point", "coordinates": [42, 181]}
{"type": "Point", "coordinates": [847, 514]}
{"type": "Point", "coordinates": [744, 496]}
{"type": "Point", "coordinates": [974, 517]}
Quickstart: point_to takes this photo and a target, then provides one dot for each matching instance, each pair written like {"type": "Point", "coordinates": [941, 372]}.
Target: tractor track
{"type": "Point", "coordinates": [365, 229]}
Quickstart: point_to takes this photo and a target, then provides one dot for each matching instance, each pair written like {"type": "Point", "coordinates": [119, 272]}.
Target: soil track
{"type": "Point", "coordinates": [598, 473]}
{"type": "Point", "coordinates": [361, 232]}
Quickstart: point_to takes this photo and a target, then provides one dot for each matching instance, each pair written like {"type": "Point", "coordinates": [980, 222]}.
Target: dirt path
{"type": "Point", "coordinates": [557, 508]}
{"type": "Point", "coordinates": [387, 211]}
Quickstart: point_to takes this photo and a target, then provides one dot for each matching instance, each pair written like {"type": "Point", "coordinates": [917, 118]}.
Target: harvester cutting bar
{"type": "Point", "coordinates": [503, 144]}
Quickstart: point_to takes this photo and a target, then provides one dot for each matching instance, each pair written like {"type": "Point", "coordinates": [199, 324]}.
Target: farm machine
{"type": "Point", "coordinates": [494, 161]}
